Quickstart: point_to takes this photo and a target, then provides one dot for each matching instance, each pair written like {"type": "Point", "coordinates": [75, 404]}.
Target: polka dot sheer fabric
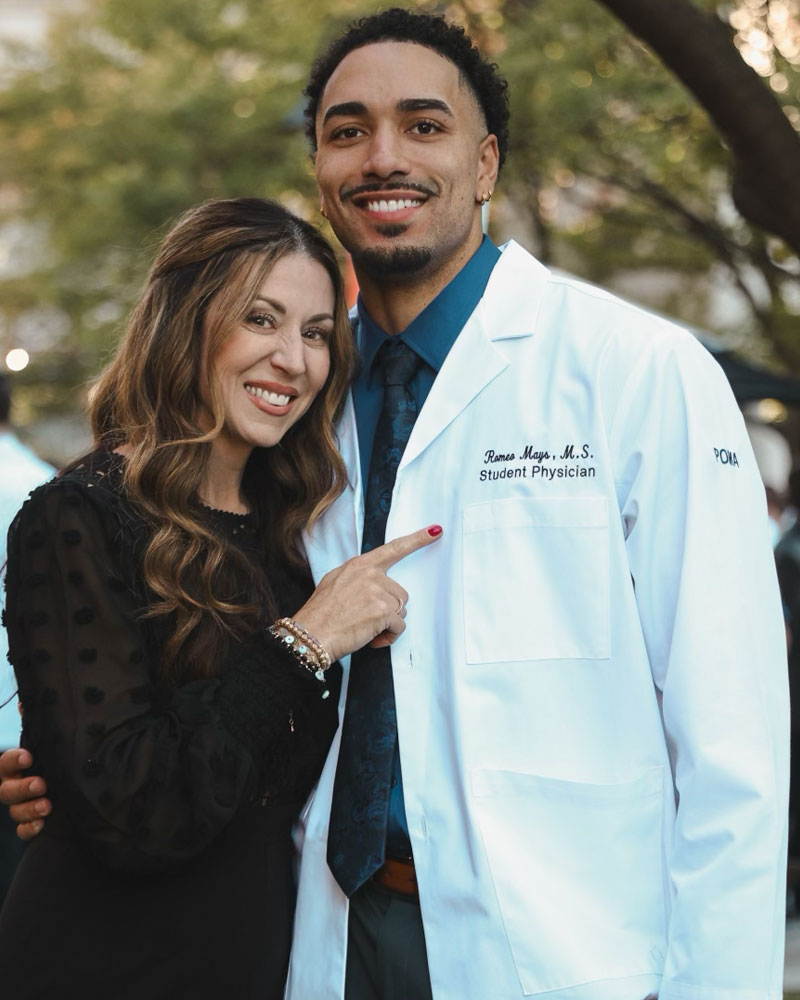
{"type": "Point", "coordinates": [147, 775]}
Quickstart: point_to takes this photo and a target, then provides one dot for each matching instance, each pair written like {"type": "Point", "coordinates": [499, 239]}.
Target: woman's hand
{"type": "Point", "coordinates": [357, 603]}
{"type": "Point", "coordinates": [24, 796]}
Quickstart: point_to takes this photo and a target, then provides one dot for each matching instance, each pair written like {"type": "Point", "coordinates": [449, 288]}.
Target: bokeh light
{"type": "Point", "coordinates": [17, 359]}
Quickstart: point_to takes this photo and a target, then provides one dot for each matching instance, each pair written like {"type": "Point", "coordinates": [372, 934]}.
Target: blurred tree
{"type": "Point", "coordinates": [139, 108]}
{"type": "Point", "coordinates": [765, 149]}
{"type": "Point", "coordinates": [620, 175]}
{"type": "Point", "coordinates": [136, 110]}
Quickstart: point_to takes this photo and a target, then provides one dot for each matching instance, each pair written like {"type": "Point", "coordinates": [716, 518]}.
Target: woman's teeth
{"type": "Point", "coordinates": [392, 206]}
{"type": "Point", "coordinates": [275, 398]}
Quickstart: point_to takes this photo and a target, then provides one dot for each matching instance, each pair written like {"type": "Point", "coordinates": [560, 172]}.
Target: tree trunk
{"type": "Point", "coordinates": [765, 148]}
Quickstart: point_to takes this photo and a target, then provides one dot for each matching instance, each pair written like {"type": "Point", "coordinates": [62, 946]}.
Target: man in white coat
{"type": "Point", "coordinates": [590, 694]}
{"type": "Point", "coordinates": [588, 726]}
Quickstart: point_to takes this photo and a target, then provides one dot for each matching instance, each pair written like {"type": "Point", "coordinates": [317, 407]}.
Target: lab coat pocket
{"type": "Point", "coordinates": [577, 871]}
{"type": "Point", "coordinates": [536, 579]}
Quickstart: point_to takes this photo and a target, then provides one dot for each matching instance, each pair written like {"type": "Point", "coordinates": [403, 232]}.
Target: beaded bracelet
{"type": "Point", "coordinates": [302, 645]}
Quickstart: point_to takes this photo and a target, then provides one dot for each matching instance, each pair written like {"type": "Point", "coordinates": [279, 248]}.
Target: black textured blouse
{"type": "Point", "coordinates": [147, 775]}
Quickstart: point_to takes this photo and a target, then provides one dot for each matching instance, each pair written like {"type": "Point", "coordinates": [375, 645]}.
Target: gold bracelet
{"type": "Point", "coordinates": [308, 639]}
{"type": "Point", "coordinates": [302, 645]}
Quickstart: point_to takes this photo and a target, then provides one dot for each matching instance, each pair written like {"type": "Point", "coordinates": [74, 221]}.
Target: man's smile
{"type": "Point", "coordinates": [392, 205]}
{"type": "Point", "coordinates": [388, 204]}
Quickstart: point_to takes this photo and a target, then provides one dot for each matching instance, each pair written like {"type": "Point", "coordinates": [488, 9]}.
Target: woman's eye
{"type": "Point", "coordinates": [264, 320]}
{"type": "Point", "coordinates": [317, 333]}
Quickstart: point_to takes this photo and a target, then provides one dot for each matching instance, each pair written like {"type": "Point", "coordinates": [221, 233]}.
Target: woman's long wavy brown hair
{"type": "Point", "coordinates": [203, 282]}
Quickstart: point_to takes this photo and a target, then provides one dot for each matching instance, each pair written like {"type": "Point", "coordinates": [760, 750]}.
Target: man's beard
{"type": "Point", "coordinates": [399, 262]}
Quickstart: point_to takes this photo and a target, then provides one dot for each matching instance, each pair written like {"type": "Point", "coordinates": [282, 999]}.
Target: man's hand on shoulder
{"type": "Point", "coordinates": [24, 795]}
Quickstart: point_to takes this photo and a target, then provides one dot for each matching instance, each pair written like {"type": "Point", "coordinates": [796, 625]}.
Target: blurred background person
{"type": "Point", "coordinates": [21, 471]}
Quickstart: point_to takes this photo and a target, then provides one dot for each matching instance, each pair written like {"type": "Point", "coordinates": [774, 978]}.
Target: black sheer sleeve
{"type": "Point", "coordinates": [148, 777]}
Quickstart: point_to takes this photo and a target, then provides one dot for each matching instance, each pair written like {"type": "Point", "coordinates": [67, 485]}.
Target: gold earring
{"type": "Point", "coordinates": [322, 212]}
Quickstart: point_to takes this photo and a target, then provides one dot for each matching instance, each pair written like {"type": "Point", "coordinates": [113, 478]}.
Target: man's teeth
{"type": "Point", "coordinates": [393, 205]}
{"type": "Point", "coordinates": [275, 398]}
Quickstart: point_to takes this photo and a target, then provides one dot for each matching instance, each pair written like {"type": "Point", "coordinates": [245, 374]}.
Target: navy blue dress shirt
{"type": "Point", "coordinates": [431, 334]}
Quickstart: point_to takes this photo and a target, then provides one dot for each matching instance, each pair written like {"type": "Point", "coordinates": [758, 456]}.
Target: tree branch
{"type": "Point", "coordinates": [765, 148]}
{"type": "Point", "coordinates": [727, 251]}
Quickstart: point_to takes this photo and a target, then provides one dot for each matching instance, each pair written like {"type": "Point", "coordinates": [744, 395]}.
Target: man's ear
{"type": "Point", "coordinates": [488, 166]}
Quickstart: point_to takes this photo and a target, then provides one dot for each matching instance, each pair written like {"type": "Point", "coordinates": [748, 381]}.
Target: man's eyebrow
{"type": "Point", "coordinates": [407, 104]}
{"type": "Point", "coordinates": [341, 110]}
{"type": "Point", "coordinates": [424, 104]}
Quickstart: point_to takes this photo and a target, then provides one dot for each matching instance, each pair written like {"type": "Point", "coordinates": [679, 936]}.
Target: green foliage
{"type": "Point", "coordinates": [616, 169]}
{"type": "Point", "coordinates": [141, 108]}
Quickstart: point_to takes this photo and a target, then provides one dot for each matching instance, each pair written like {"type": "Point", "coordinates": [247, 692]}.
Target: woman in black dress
{"type": "Point", "coordinates": [179, 718]}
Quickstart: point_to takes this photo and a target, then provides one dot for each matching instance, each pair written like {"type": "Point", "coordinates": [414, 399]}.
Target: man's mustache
{"type": "Point", "coordinates": [387, 186]}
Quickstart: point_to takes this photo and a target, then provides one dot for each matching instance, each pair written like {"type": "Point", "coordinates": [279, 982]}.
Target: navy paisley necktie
{"type": "Point", "coordinates": [360, 806]}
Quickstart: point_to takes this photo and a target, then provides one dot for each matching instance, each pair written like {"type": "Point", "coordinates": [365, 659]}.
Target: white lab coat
{"type": "Point", "coordinates": [591, 691]}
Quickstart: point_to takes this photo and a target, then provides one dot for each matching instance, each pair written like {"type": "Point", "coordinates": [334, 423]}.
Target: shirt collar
{"type": "Point", "coordinates": [433, 332]}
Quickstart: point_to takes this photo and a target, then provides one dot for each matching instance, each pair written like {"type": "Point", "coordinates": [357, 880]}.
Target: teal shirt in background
{"type": "Point", "coordinates": [430, 335]}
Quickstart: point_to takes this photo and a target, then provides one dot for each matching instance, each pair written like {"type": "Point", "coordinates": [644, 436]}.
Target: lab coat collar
{"type": "Point", "coordinates": [508, 310]}
{"type": "Point", "coordinates": [510, 306]}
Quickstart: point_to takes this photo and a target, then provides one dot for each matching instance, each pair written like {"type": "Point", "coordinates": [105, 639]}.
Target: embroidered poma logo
{"type": "Point", "coordinates": [725, 457]}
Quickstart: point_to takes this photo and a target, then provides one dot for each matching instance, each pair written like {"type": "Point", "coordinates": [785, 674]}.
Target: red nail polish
{"type": "Point", "coordinates": [435, 530]}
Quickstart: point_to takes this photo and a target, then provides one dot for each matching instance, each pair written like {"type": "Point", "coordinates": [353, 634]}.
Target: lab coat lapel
{"type": "Point", "coordinates": [475, 360]}
{"type": "Point", "coordinates": [471, 365]}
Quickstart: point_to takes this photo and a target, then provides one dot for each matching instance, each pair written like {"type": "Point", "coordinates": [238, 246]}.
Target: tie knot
{"type": "Point", "coordinates": [397, 362]}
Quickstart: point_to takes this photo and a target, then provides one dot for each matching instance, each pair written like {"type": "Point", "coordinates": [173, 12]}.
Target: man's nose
{"type": "Point", "coordinates": [385, 155]}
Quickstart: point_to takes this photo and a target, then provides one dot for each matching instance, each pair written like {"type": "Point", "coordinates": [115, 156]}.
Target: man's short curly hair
{"type": "Point", "coordinates": [432, 31]}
